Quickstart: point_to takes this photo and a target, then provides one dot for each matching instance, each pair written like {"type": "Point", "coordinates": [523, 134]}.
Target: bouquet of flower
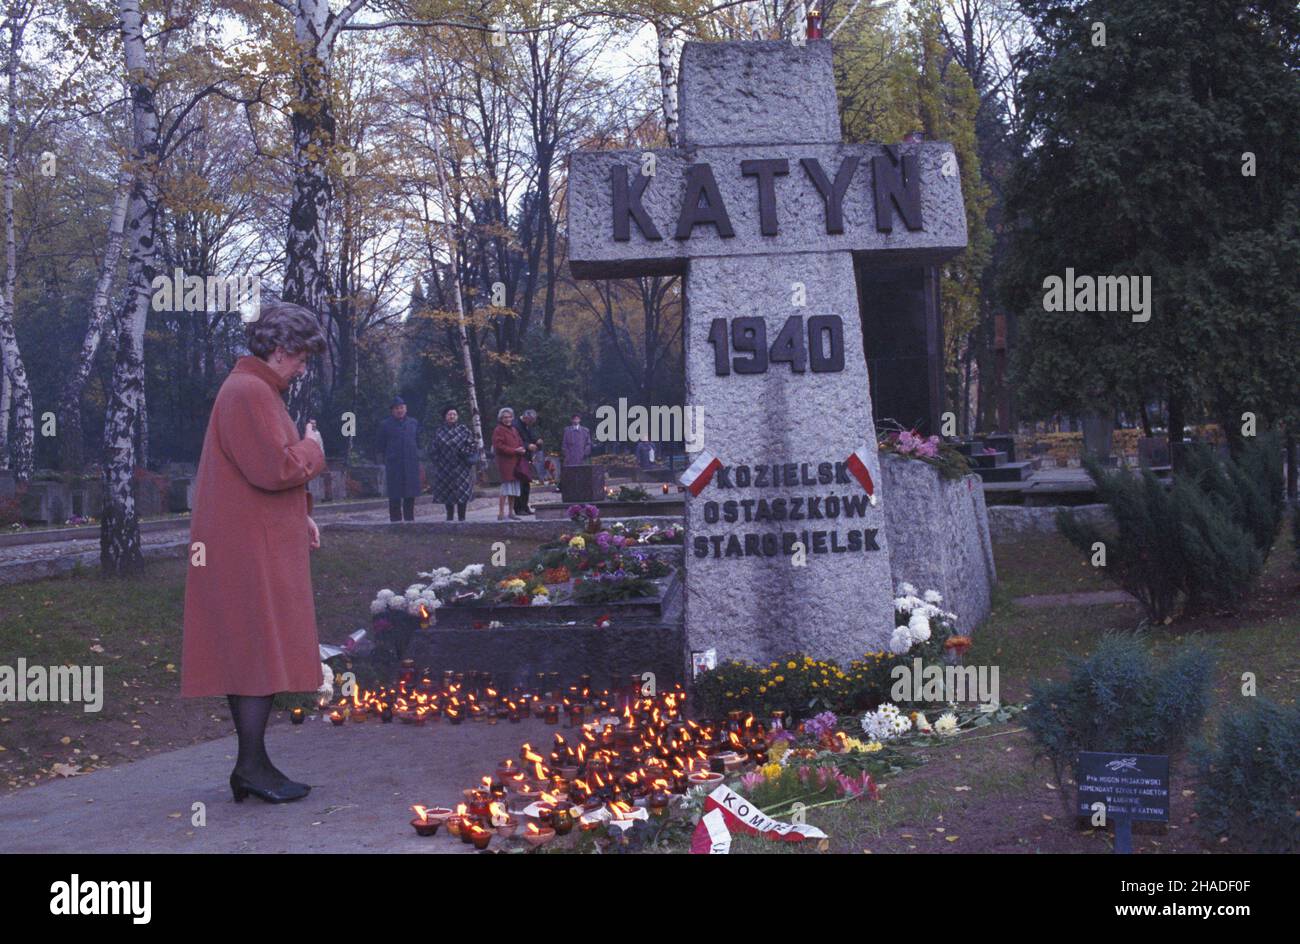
{"type": "Point", "coordinates": [586, 515]}
{"type": "Point", "coordinates": [919, 620]}
{"type": "Point", "coordinates": [910, 444]}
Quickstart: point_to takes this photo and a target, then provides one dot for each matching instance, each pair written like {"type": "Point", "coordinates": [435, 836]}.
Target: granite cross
{"type": "Point", "coordinates": [763, 210]}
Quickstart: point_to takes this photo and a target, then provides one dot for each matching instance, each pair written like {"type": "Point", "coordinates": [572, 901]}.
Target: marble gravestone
{"type": "Point", "coordinates": [762, 210]}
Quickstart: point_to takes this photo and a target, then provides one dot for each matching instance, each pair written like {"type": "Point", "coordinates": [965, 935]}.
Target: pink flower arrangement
{"type": "Point", "coordinates": [908, 443]}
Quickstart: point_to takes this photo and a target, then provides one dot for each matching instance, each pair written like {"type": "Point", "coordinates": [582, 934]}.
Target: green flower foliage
{"type": "Point", "coordinates": [1248, 783]}
{"type": "Point", "coordinates": [1119, 699]}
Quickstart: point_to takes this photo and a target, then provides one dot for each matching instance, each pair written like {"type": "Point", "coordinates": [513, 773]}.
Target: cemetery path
{"type": "Point", "coordinates": [365, 778]}
{"type": "Point", "coordinates": [23, 562]}
{"type": "Point", "coordinates": [1083, 598]}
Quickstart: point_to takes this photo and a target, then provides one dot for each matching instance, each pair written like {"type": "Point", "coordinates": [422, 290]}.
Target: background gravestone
{"type": "Point", "coordinates": [742, 103]}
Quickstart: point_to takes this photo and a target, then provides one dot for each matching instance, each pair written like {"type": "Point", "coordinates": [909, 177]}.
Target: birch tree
{"type": "Point", "coordinates": [69, 412]}
{"type": "Point", "coordinates": [120, 526]}
{"type": "Point", "coordinates": [17, 15]}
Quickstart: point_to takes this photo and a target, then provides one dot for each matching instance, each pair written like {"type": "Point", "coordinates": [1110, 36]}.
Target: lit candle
{"type": "Point", "coordinates": [562, 820]}
{"type": "Point", "coordinates": [480, 837]}
{"type": "Point", "coordinates": [336, 718]}
{"type": "Point", "coordinates": [423, 824]}
{"type": "Point", "coordinates": [298, 716]}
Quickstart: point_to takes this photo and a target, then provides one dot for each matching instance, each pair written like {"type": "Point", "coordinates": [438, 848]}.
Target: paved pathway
{"type": "Point", "coordinates": [23, 562]}
{"type": "Point", "coordinates": [1083, 598]}
{"type": "Point", "coordinates": [365, 777]}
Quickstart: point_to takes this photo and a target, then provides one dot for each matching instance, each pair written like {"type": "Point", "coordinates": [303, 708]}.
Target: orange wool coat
{"type": "Point", "coordinates": [250, 618]}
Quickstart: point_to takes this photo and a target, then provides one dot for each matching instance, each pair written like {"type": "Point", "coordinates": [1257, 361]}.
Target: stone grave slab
{"type": "Point", "coordinates": [939, 537]}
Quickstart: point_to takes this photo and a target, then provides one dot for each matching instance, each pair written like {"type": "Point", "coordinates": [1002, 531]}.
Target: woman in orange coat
{"type": "Point", "coordinates": [250, 619]}
{"type": "Point", "coordinates": [508, 447]}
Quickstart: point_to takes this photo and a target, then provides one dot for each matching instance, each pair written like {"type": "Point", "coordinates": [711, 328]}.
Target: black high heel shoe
{"type": "Point", "coordinates": [291, 790]}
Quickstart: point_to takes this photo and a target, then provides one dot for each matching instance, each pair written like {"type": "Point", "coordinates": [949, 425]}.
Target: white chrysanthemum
{"type": "Point", "coordinates": [907, 590]}
{"type": "Point", "coordinates": [541, 600]}
{"type": "Point", "coordinates": [397, 603]}
{"type": "Point", "coordinates": [385, 595]}
{"type": "Point", "coordinates": [918, 627]}
{"type": "Point", "coordinates": [946, 725]}
{"type": "Point", "coordinates": [471, 570]}
{"type": "Point", "coordinates": [326, 681]}
{"type": "Point", "coordinates": [901, 641]}
{"type": "Point", "coordinates": [933, 596]}
{"type": "Point", "coordinates": [378, 606]}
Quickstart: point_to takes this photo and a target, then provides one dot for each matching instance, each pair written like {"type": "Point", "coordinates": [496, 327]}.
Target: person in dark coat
{"type": "Point", "coordinates": [645, 453]}
{"type": "Point", "coordinates": [454, 459]}
{"type": "Point", "coordinates": [575, 447]}
{"type": "Point", "coordinates": [401, 458]}
{"type": "Point", "coordinates": [531, 437]}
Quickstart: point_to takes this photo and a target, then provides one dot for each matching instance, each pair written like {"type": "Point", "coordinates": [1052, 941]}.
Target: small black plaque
{"type": "Point", "coordinates": [1135, 786]}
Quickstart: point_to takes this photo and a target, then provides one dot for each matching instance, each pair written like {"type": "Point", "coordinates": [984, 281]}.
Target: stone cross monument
{"type": "Point", "coordinates": [762, 209]}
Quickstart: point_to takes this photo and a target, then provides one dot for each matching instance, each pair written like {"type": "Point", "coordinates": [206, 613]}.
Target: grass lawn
{"type": "Point", "coordinates": [982, 792]}
{"type": "Point", "coordinates": [133, 629]}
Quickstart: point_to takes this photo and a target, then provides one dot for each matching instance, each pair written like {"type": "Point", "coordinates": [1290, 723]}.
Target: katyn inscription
{"type": "Point", "coordinates": [763, 209]}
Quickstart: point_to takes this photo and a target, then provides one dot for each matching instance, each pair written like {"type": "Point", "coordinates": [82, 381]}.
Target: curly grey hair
{"type": "Point", "coordinates": [530, 415]}
{"type": "Point", "coordinates": [286, 325]}
{"type": "Point", "coordinates": [503, 411]}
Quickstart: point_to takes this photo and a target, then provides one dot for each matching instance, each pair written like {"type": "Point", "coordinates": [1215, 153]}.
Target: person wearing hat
{"type": "Point", "coordinates": [401, 458]}
{"type": "Point", "coordinates": [455, 461]}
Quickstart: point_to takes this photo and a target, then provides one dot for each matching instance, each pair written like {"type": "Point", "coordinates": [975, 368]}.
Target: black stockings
{"type": "Point", "coordinates": [457, 507]}
{"type": "Point", "coordinates": [250, 713]}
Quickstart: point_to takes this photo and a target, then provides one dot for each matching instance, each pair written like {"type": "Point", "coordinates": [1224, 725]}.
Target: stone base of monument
{"type": "Point", "coordinates": [642, 636]}
{"type": "Point", "coordinates": [654, 474]}
{"type": "Point", "coordinates": [939, 536]}
{"type": "Point", "coordinates": [582, 483]}
{"type": "Point", "coordinates": [560, 614]}
{"type": "Point", "coordinates": [672, 505]}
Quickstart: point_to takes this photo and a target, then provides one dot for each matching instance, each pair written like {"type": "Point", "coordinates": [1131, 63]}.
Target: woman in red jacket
{"type": "Point", "coordinates": [508, 447]}
{"type": "Point", "coordinates": [250, 617]}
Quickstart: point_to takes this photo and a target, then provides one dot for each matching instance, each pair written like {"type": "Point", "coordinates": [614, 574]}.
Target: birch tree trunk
{"type": "Point", "coordinates": [467, 361]}
{"type": "Point", "coordinates": [306, 275]}
{"type": "Point", "coordinates": [119, 549]}
{"type": "Point", "coordinates": [24, 433]}
{"type": "Point", "coordinates": [69, 413]}
{"type": "Point", "coordinates": [6, 404]}
{"type": "Point", "coordinates": [667, 44]}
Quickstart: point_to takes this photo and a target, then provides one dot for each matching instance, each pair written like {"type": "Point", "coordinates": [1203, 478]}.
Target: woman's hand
{"type": "Point", "coordinates": [313, 534]}
{"type": "Point", "coordinates": [314, 435]}
{"type": "Point", "coordinates": [521, 450]}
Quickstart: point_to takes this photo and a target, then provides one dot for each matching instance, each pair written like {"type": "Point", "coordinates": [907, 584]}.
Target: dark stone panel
{"type": "Point", "coordinates": [903, 342]}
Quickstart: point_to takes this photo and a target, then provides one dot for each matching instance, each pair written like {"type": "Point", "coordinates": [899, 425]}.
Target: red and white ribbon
{"type": "Point", "coordinates": [726, 810]}
{"type": "Point", "coordinates": [857, 464]}
{"type": "Point", "coordinates": [700, 473]}
{"type": "Point", "coordinates": [711, 836]}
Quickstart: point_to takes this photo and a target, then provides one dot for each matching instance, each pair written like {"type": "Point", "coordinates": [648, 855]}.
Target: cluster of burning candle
{"type": "Point", "coordinates": [471, 697]}
{"type": "Point", "coordinates": [623, 765]}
